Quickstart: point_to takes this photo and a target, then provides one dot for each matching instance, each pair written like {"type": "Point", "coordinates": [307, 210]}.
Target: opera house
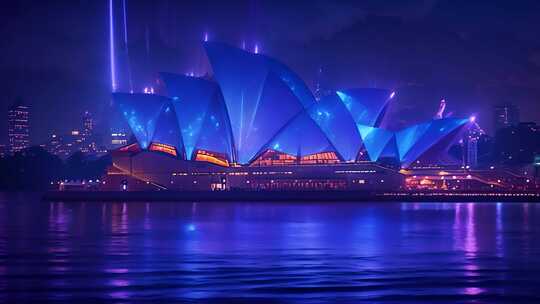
{"type": "Point", "coordinates": [255, 125]}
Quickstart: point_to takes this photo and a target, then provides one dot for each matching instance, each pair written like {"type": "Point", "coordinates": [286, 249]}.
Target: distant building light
{"type": "Point", "coordinates": [148, 90]}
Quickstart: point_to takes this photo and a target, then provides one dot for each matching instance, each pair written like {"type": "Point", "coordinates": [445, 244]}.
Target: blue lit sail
{"type": "Point", "coordinates": [197, 101]}
{"type": "Point", "coordinates": [260, 94]}
{"type": "Point", "coordinates": [375, 140]}
{"type": "Point", "coordinates": [336, 122]}
{"type": "Point", "coordinates": [408, 137]}
{"type": "Point", "coordinates": [436, 131]}
{"type": "Point", "coordinates": [141, 111]}
{"type": "Point", "coordinates": [167, 131]}
{"type": "Point", "coordinates": [276, 107]}
{"type": "Point", "coordinates": [366, 105]}
{"type": "Point", "coordinates": [301, 137]}
{"type": "Point", "coordinates": [216, 133]}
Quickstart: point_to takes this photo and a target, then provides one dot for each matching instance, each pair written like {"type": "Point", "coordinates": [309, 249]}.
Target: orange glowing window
{"type": "Point", "coordinates": [426, 182]}
{"type": "Point", "coordinates": [163, 148]}
{"type": "Point", "coordinates": [320, 158]}
{"type": "Point", "coordinates": [274, 158]}
{"type": "Point", "coordinates": [214, 158]}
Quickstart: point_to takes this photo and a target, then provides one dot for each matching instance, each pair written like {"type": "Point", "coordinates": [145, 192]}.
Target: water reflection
{"type": "Point", "coordinates": [464, 252]}
{"type": "Point", "coordinates": [499, 231]}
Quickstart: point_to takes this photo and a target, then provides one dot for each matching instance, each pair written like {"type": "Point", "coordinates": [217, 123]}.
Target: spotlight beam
{"type": "Point", "coordinates": [114, 84]}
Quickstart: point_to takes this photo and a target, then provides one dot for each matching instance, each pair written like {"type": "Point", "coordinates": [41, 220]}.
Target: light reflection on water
{"type": "Point", "coordinates": [284, 252]}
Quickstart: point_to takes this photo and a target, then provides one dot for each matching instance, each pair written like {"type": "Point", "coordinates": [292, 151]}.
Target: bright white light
{"type": "Point", "coordinates": [392, 95]}
{"type": "Point", "coordinates": [148, 90]}
{"type": "Point", "coordinates": [256, 50]}
{"type": "Point", "coordinates": [472, 118]}
{"type": "Point", "coordinates": [205, 37]}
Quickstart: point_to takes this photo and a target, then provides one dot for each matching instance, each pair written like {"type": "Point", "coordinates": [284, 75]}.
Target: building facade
{"type": "Point", "coordinates": [18, 127]}
{"type": "Point", "coordinates": [256, 125]}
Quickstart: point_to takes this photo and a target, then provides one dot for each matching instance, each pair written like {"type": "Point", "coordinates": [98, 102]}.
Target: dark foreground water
{"type": "Point", "coordinates": [268, 252]}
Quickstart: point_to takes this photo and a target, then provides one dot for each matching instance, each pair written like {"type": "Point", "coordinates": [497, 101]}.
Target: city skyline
{"type": "Point", "coordinates": [344, 47]}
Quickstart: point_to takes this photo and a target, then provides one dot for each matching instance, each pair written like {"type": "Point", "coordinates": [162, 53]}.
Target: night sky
{"type": "Point", "coordinates": [475, 54]}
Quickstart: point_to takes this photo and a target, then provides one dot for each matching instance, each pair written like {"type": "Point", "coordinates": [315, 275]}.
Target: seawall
{"type": "Point", "coordinates": [305, 196]}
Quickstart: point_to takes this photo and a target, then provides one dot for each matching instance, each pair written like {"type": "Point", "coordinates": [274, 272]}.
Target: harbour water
{"type": "Point", "coordinates": [268, 252]}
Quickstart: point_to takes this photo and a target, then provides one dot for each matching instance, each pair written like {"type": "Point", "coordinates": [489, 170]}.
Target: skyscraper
{"type": "Point", "coordinates": [506, 115]}
{"type": "Point", "coordinates": [87, 134]}
{"type": "Point", "coordinates": [18, 126]}
{"type": "Point", "coordinates": [472, 148]}
{"type": "Point", "coordinates": [88, 124]}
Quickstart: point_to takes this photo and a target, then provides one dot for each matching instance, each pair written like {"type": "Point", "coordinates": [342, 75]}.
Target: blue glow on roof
{"type": "Point", "coordinates": [302, 136]}
{"type": "Point", "coordinates": [391, 149]}
{"type": "Point", "coordinates": [261, 96]}
{"type": "Point", "coordinates": [406, 138]}
{"type": "Point", "coordinates": [216, 134]}
{"type": "Point", "coordinates": [336, 122]}
{"type": "Point", "coordinates": [365, 105]}
{"type": "Point", "coordinates": [375, 140]}
{"type": "Point", "coordinates": [293, 81]}
{"type": "Point", "coordinates": [167, 131]}
{"type": "Point", "coordinates": [276, 107]}
{"type": "Point", "coordinates": [436, 131]}
{"type": "Point", "coordinates": [241, 77]}
{"type": "Point", "coordinates": [198, 100]}
{"type": "Point", "coordinates": [141, 112]}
